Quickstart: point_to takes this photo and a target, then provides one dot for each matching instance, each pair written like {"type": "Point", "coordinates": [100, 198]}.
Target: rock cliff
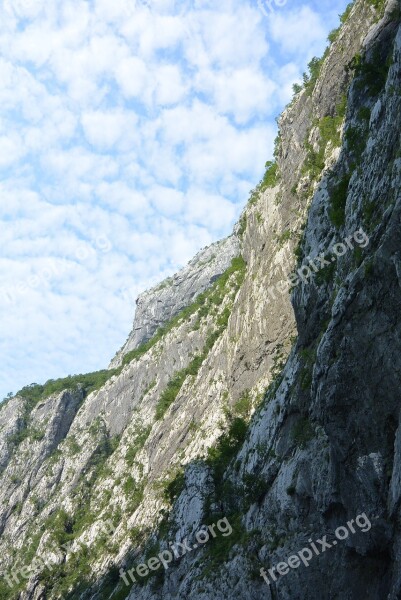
{"type": "Point", "coordinates": [155, 307]}
{"type": "Point", "coordinates": [257, 398]}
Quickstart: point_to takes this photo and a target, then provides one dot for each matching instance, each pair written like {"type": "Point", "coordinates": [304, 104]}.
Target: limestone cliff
{"type": "Point", "coordinates": [244, 392]}
{"type": "Point", "coordinates": [157, 306]}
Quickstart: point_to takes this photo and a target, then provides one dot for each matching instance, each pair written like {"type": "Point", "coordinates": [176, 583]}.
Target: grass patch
{"type": "Point", "coordinates": [284, 237]}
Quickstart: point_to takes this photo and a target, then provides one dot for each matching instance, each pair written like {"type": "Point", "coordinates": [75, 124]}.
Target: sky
{"type": "Point", "coordinates": [131, 133]}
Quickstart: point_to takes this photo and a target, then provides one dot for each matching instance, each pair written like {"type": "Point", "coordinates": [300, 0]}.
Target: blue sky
{"type": "Point", "coordinates": [130, 135]}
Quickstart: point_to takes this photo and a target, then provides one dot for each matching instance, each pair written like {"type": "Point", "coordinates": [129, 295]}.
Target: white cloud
{"type": "Point", "coordinates": [243, 93]}
{"type": "Point", "coordinates": [167, 201]}
{"type": "Point", "coordinates": [298, 32]}
{"type": "Point", "coordinates": [11, 150]}
{"type": "Point", "coordinates": [79, 165]}
{"type": "Point", "coordinates": [130, 136]}
{"type": "Point", "coordinates": [170, 85]}
{"type": "Point", "coordinates": [231, 38]}
{"type": "Point", "coordinates": [149, 32]}
{"type": "Point", "coordinates": [132, 76]}
{"type": "Point", "coordinates": [104, 129]}
{"type": "Point", "coordinates": [202, 206]}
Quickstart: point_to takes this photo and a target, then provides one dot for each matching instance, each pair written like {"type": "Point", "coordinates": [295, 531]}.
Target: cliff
{"type": "Point", "coordinates": [258, 392]}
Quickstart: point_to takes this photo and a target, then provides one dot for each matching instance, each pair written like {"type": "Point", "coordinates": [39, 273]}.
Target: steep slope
{"type": "Point", "coordinates": [323, 449]}
{"type": "Point", "coordinates": [181, 432]}
{"type": "Point", "coordinates": [156, 307]}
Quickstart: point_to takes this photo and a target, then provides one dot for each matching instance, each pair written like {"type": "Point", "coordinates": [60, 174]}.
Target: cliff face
{"type": "Point", "coordinates": [155, 307]}
{"type": "Point", "coordinates": [271, 413]}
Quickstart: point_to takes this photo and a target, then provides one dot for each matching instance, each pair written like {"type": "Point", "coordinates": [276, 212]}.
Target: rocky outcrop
{"type": "Point", "coordinates": [157, 306]}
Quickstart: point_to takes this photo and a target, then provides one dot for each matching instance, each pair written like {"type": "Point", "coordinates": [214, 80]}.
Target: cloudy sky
{"type": "Point", "coordinates": [130, 135]}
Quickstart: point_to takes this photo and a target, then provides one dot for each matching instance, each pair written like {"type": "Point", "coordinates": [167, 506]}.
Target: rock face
{"type": "Point", "coordinates": [159, 305]}
{"type": "Point", "coordinates": [271, 414]}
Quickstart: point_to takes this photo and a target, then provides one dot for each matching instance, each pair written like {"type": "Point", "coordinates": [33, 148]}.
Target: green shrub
{"type": "Point", "coordinates": [72, 446]}
{"type": "Point", "coordinates": [356, 138]}
{"type": "Point", "coordinates": [219, 547]}
{"type": "Point", "coordinates": [302, 432]}
{"type": "Point", "coordinates": [338, 200]}
{"type": "Point", "coordinates": [174, 487]}
{"type": "Point", "coordinates": [140, 435]}
{"type": "Point", "coordinates": [369, 209]}
{"type": "Point", "coordinates": [37, 435]}
{"type": "Point", "coordinates": [169, 394]}
{"type": "Point", "coordinates": [308, 357]}
{"type": "Point", "coordinates": [16, 439]}
{"type": "Point", "coordinates": [369, 268]}
{"type": "Point", "coordinates": [227, 446]}
{"type": "Point", "coordinates": [243, 406]}
{"type": "Point", "coordinates": [129, 485]}
{"type": "Point", "coordinates": [333, 35]}
{"type": "Point", "coordinates": [298, 250]}
{"type": "Point", "coordinates": [326, 274]}
{"type": "Point", "coordinates": [255, 488]}
{"type": "Point", "coordinates": [314, 162]}
{"type": "Point", "coordinates": [61, 526]}
{"type": "Point", "coordinates": [284, 237]}
{"type": "Point", "coordinates": [222, 320]}
{"type": "Point", "coordinates": [372, 74]}
{"type": "Point", "coordinates": [89, 382]}
{"type": "Point", "coordinates": [270, 177]}
{"type": "Point", "coordinates": [346, 13]}
{"type": "Point", "coordinates": [314, 68]}
{"type": "Point", "coordinates": [358, 256]}
{"type": "Point", "coordinates": [379, 5]}
{"type": "Point", "coordinates": [364, 113]}
{"type": "Point", "coordinates": [329, 132]}
{"type": "Point", "coordinates": [242, 225]}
